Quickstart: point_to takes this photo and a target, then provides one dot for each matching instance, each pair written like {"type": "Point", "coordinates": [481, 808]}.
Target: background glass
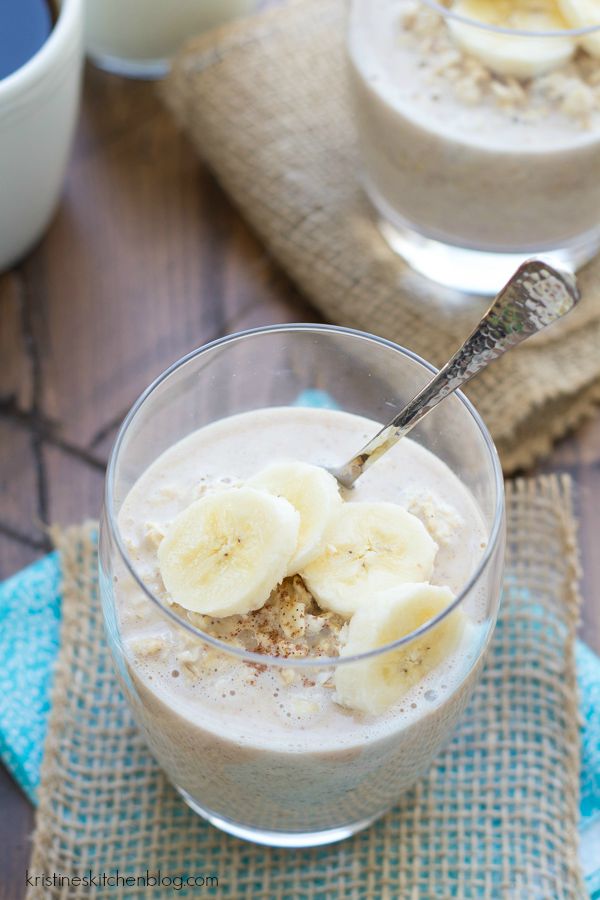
{"type": "Point", "coordinates": [285, 795]}
{"type": "Point", "coordinates": [137, 38]}
{"type": "Point", "coordinates": [467, 189]}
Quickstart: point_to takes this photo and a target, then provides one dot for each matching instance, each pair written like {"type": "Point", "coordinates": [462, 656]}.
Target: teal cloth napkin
{"type": "Point", "coordinates": [29, 641]}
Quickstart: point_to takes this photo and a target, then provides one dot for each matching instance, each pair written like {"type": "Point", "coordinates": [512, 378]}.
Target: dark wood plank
{"type": "Point", "coordinates": [74, 488]}
{"type": "Point", "coordinates": [16, 826]}
{"type": "Point", "coordinates": [276, 309]}
{"type": "Point", "coordinates": [277, 302]}
{"type": "Point", "coordinates": [579, 454]}
{"type": "Point", "coordinates": [145, 260]}
{"type": "Point", "coordinates": [14, 556]}
{"type": "Point", "coordinates": [20, 514]}
{"type": "Point", "coordinates": [104, 438]}
{"type": "Point", "coordinates": [16, 387]}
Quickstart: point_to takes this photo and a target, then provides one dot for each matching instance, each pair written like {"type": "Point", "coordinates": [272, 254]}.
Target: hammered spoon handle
{"type": "Point", "coordinates": [536, 296]}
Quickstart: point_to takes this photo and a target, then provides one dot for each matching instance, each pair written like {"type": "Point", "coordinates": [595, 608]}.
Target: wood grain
{"type": "Point", "coordinates": [16, 826]}
{"type": "Point", "coordinates": [14, 556]}
{"type": "Point", "coordinates": [145, 260]}
{"type": "Point", "coordinates": [158, 263]}
{"type": "Point", "coordinates": [15, 371]}
{"type": "Point", "coordinates": [19, 485]}
{"type": "Point", "coordinates": [74, 487]}
{"type": "Point", "coordinates": [579, 455]}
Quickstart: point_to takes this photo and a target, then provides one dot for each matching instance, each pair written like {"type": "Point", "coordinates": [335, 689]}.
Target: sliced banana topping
{"type": "Point", "coordinates": [520, 56]}
{"type": "Point", "coordinates": [369, 547]}
{"type": "Point", "coordinates": [226, 552]}
{"type": "Point", "coordinates": [313, 492]}
{"type": "Point", "coordinates": [373, 685]}
{"type": "Point", "coordinates": [584, 14]}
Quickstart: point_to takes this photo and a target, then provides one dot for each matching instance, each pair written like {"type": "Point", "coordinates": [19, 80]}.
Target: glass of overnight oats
{"type": "Point", "coordinates": [296, 654]}
{"type": "Point", "coordinates": [479, 128]}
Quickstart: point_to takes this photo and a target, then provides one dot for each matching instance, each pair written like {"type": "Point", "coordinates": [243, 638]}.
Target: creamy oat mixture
{"type": "Point", "coordinates": [570, 93]}
{"type": "Point", "coordinates": [270, 745]}
{"type": "Point", "coordinates": [464, 155]}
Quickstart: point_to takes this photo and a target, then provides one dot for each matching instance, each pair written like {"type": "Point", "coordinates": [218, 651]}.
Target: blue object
{"type": "Point", "coordinates": [316, 399]}
{"type": "Point", "coordinates": [588, 679]}
{"type": "Point", "coordinates": [29, 639]}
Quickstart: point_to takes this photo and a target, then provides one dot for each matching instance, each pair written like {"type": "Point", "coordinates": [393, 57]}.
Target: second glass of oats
{"type": "Point", "coordinates": [479, 127]}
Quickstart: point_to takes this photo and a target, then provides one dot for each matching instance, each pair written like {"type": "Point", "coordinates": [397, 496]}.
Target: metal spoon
{"type": "Point", "coordinates": [535, 297]}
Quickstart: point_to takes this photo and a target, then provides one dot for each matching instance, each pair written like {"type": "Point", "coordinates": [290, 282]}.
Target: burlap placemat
{"type": "Point", "coordinates": [266, 104]}
{"type": "Point", "coordinates": [495, 818]}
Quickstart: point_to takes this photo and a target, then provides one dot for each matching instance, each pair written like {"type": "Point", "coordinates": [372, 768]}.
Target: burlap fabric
{"type": "Point", "coordinates": [266, 104]}
{"type": "Point", "coordinates": [495, 818]}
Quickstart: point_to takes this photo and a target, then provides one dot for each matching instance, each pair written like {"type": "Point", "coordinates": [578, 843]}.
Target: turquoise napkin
{"type": "Point", "coordinates": [29, 640]}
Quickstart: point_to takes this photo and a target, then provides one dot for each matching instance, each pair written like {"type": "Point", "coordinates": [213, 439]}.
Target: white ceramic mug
{"type": "Point", "coordinates": [38, 110]}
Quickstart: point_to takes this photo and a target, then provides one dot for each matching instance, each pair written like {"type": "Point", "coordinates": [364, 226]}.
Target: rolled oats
{"type": "Point", "coordinates": [573, 90]}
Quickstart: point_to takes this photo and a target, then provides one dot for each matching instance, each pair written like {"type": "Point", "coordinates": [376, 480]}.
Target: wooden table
{"type": "Point", "coordinates": [145, 260]}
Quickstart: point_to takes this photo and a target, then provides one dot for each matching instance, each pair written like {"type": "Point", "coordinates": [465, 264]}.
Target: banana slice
{"type": "Point", "coordinates": [373, 685]}
{"type": "Point", "coordinates": [582, 14]}
{"type": "Point", "coordinates": [226, 552]}
{"type": "Point", "coordinates": [313, 492]}
{"type": "Point", "coordinates": [368, 548]}
{"type": "Point", "coordinates": [522, 57]}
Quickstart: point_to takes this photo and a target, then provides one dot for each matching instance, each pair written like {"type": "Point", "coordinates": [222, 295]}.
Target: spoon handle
{"type": "Point", "coordinates": [535, 296]}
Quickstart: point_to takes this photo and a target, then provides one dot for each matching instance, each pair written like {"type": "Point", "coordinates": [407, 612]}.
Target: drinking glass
{"type": "Point", "coordinates": [137, 38]}
{"type": "Point", "coordinates": [471, 172]}
{"type": "Point", "coordinates": [298, 788]}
